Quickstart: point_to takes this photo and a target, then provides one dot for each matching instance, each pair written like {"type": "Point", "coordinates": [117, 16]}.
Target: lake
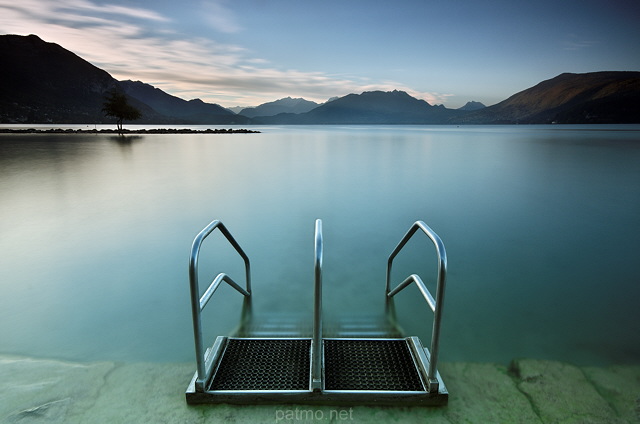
{"type": "Point", "coordinates": [541, 226]}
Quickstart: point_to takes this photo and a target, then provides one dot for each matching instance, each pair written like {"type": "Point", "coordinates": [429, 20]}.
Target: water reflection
{"type": "Point", "coordinates": [126, 140]}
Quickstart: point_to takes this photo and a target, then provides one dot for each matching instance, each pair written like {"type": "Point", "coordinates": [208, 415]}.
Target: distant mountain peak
{"type": "Point", "coordinates": [284, 105]}
{"type": "Point", "coordinates": [472, 105]}
{"type": "Point", "coordinates": [392, 92]}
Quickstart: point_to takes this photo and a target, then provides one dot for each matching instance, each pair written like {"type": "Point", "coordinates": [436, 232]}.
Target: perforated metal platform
{"type": "Point", "coordinates": [264, 364]}
{"type": "Point", "coordinates": [355, 371]}
{"type": "Point", "coordinates": [370, 365]}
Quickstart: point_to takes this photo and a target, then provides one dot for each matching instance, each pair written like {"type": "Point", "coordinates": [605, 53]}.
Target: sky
{"type": "Point", "coordinates": [248, 52]}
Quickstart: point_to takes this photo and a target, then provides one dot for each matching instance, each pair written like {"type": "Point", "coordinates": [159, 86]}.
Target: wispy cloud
{"type": "Point", "coordinates": [141, 44]}
{"type": "Point", "coordinates": [83, 6]}
{"type": "Point", "coordinates": [220, 17]}
{"type": "Point", "coordinates": [574, 42]}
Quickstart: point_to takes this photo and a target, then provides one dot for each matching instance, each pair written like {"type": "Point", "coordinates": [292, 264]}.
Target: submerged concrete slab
{"type": "Point", "coordinates": [620, 386]}
{"type": "Point", "coordinates": [142, 393]}
{"type": "Point", "coordinates": [41, 390]}
{"type": "Point", "coordinates": [561, 392]}
{"type": "Point", "coordinates": [46, 391]}
{"type": "Point", "coordinates": [485, 393]}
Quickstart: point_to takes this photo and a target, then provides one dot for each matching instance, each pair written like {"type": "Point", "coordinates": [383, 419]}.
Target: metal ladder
{"type": "Point", "coordinates": [317, 369]}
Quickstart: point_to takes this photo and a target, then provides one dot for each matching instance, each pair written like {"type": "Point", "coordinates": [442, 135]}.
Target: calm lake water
{"type": "Point", "coordinates": [541, 226]}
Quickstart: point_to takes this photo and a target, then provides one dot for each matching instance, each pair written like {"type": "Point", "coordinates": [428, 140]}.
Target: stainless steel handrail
{"type": "Point", "coordinates": [316, 354]}
{"type": "Point", "coordinates": [436, 306]}
{"type": "Point", "coordinates": [198, 303]}
{"type": "Point", "coordinates": [214, 286]}
{"type": "Point", "coordinates": [415, 278]}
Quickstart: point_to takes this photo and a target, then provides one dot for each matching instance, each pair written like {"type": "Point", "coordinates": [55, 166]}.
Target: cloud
{"type": "Point", "coordinates": [141, 44]}
{"type": "Point", "coordinates": [82, 7]}
{"type": "Point", "coordinates": [220, 17]}
{"type": "Point", "coordinates": [574, 42]}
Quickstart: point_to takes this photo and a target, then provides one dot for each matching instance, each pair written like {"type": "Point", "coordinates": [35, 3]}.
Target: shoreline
{"type": "Point", "coordinates": [126, 131]}
{"type": "Point", "coordinates": [527, 390]}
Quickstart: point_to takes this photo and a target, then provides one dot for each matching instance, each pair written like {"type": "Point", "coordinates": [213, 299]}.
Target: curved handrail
{"type": "Point", "coordinates": [440, 250]}
{"type": "Point", "coordinates": [316, 358]}
{"type": "Point", "coordinates": [415, 278]}
{"type": "Point", "coordinates": [197, 242]}
{"type": "Point", "coordinates": [435, 305]}
{"type": "Point", "coordinates": [198, 303]}
{"type": "Point", "coordinates": [214, 286]}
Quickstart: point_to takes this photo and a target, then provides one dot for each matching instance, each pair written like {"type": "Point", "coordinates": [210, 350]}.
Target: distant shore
{"type": "Point", "coordinates": [125, 131]}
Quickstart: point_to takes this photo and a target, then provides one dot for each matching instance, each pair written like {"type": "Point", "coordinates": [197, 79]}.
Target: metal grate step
{"type": "Point", "coordinates": [378, 371]}
{"type": "Point", "coordinates": [264, 364]}
{"type": "Point", "coordinates": [370, 365]}
{"type": "Point", "coordinates": [360, 326]}
{"type": "Point", "coordinates": [284, 364]}
{"type": "Point", "coordinates": [272, 325]}
{"type": "Point", "coordinates": [292, 325]}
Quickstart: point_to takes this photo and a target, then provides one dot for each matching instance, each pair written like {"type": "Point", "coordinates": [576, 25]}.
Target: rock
{"type": "Point", "coordinates": [620, 386]}
{"type": "Point", "coordinates": [38, 390]}
{"type": "Point", "coordinates": [52, 412]}
{"type": "Point", "coordinates": [143, 393]}
{"type": "Point", "coordinates": [126, 131]}
{"type": "Point", "coordinates": [561, 393]}
{"type": "Point", "coordinates": [484, 393]}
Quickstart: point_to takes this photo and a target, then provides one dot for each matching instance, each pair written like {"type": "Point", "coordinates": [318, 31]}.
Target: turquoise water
{"type": "Point", "coordinates": [541, 226]}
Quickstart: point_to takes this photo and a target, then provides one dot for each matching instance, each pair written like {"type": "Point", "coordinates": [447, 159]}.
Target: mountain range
{"type": "Point", "coordinates": [286, 105]}
{"type": "Point", "coordinates": [193, 111]}
{"type": "Point", "coordinates": [42, 82]}
{"type": "Point", "coordinates": [591, 98]}
{"type": "Point", "coordinates": [370, 107]}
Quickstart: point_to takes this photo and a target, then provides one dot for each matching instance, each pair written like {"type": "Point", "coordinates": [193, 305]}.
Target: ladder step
{"type": "Point", "coordinates": [275, 334]}
{"type": "Point", "coordinates": [284, 365]}
{"type": "Point", "coordinates": [363, 334]}
{"type": "Point", "coordinates": [264, 364]}
{"type": "Point", "coordinates": [370, 365]}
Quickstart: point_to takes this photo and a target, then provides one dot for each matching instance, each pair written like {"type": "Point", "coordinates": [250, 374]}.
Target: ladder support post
{"type": "Point", "coordinates": [317, 348]}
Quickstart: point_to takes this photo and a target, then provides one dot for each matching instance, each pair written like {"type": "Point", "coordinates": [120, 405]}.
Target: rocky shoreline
{"type": "Point", "coordinates": [125, 131]}
{"type": "Point", "coordinates": [527, 391]}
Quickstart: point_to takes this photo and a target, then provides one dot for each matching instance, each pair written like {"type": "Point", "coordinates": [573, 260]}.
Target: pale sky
{"type": "Point", "coordinates": [248, 52]}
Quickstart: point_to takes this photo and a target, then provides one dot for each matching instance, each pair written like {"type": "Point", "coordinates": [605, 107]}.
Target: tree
{"type": "Point", "coordinates": [117, 105]}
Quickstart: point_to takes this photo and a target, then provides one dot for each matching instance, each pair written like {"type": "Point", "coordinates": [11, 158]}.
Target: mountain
{"type": "Point", "coordinates": [42, 82]}
{"type": "Point", "coordinates": [472, 106]}
{"type": "Point", "coordinates": [370, 107]}
{"type": "Point", "coordinates": [236, 109]}
{"type": "Point", "coordinates": [590, 98]}
{"type": "Point", "coordinates": [286, 105]}
{"type": "Point", "coordinates": [193, 111]}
